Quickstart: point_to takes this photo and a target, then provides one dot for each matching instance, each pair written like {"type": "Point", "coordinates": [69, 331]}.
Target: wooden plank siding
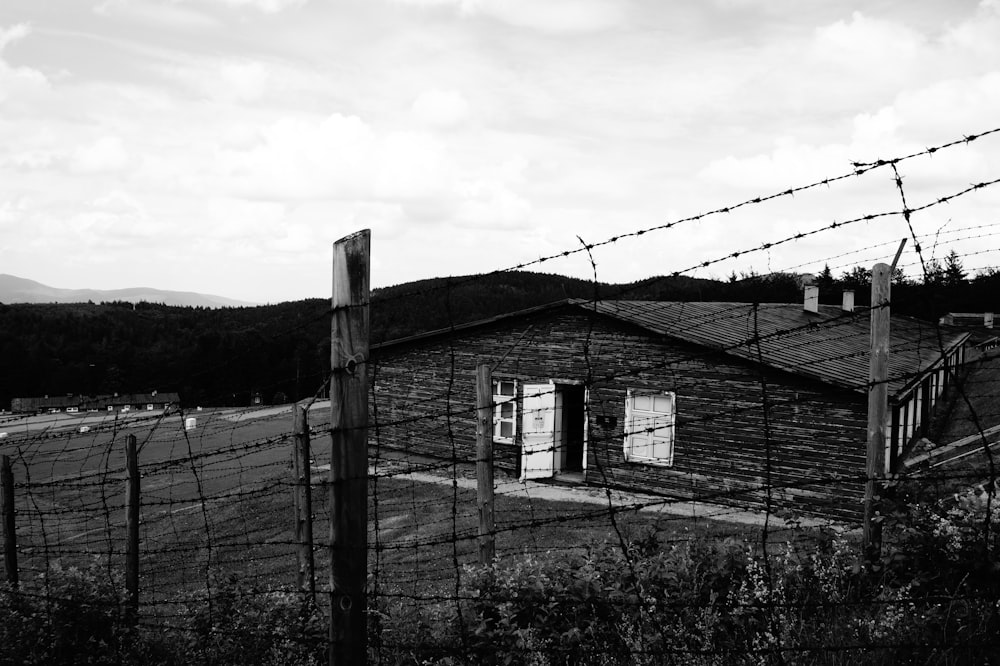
{"type": "Point", "coordinates": [423, 400]}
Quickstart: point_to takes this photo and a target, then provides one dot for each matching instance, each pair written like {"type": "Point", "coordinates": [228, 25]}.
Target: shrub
{"type": "Point", "coordinates": [700, 602]}
{"type": "Point", "coordinates": [74, 619]}
{"type": "Point", "coordinates": [236, 625]}
{"type": "Point", "coordinates": [73, 616]}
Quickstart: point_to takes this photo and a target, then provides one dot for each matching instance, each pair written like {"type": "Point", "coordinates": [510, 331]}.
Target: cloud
{"type": "Point", "coordinates": [236, 220]}
{"type": "Point", "coordinates": [336, 157]}
{"type": "Point", "coordinates": [156, 13]}
{"type": "Point", "coordinates": [441, 108]}
{"type": "Point", "coordinates": [21, 84]}
{"type": "Point", "coordinates": [411, 165]}
{"type": "Point", "coordinates": [790, 162]}
{"type": "Point", "coordinates": [245, 81]}
{"type": "Point", "coordinates": [265, 6]}
{"type": "Point", "coordinates": [18, 85]}
{"type": "Point", "coordinates": [867, 42]}
{"type": "Point", "coordinates": [106, 154]}
{"type": "Point", "coordinates": [556, 16]}
{"type": "Point", "coordinates": [31, 160]}
{"type": "Point", "coordinates": [13, 33]}
{"type": "Point", "coordinates": [114, 220]}
{"type": "Point", "coordinates": [977, 35]}
{"type": "Point", "coordinates": [491, 204]}
{"type": "Point", "coordinates": [553, 16]}
{"type": "Point", "coordinates": [952, 106]}
{"type": "Point", "coordinates": [304, 158]}
{"type": "Point", "coordinates": [242, 81]}
{"type": "Point", "coordinates": [10, 212]}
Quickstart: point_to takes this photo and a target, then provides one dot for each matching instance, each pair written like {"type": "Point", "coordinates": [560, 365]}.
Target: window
{"type": "Point", "coordinates": [504, 410]}
{"type": "Point", "coordinates": [649, 427]}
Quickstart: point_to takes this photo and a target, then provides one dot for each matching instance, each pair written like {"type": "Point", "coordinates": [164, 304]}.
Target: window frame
{"type": "Point", "coordinates": [499, 400]}
{"type": "Point", "coordinates": [671, 427]}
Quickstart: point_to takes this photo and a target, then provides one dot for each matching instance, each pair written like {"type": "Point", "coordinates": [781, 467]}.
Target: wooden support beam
{"type": "Point", "coordinates": [349, 346]}
{"type": "Point", "coordinates": [303, 502]}
{"type": "Point", "coordinates": [484, 462]}
{"type": "Point", "coordinates": [132, 529]}
{"type": "Point", "coordinates": [9, 531]}
{"type": "Point", "coordinates": [878, 392]}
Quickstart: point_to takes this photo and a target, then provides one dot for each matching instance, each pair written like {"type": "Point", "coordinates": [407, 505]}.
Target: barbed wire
{"type": "Point", "coordinates": [216, 499]}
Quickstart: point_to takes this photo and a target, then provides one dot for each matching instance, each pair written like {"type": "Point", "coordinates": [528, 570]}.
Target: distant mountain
{"type": "Point", "coordinates": [19, 290]}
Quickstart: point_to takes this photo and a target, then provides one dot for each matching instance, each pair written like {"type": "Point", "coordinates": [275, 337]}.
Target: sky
{"type": "Point", "coordinates": [223, 146]}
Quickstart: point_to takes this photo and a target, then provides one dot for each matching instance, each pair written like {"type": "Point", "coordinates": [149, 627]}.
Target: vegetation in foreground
{"type": "Point", "coordinates": [934, 598]}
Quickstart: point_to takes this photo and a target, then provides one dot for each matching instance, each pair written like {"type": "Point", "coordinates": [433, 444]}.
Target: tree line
{"type": "Point", "coordinates": [279, 353]}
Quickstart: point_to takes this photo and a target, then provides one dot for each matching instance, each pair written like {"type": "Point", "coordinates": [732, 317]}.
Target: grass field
{"type": "Point", "coordinates": [217, 503]}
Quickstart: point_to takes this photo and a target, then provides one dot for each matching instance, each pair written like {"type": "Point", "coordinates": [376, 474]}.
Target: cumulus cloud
{"type": "Point", "coordinates": [266, 6]}
{"type": "Point", "coordinates": [106, 154]}
{"type": "Point", "coordinates": [234, 219]}
{"type": "Point", "coordinates": [245, 81]}
{"type": "Point", "coordinates": [18, 84]}
{"type": "Point", "coordinates": [555, 16]}
{"type": "Point", "coordinates": [491, 204]}
{"type": "Point", "coordinates": [113, 220]}
{"type": "Point", "coordinates": [13, 33]}
{"type": "Point", "coordinates": [337, 157]}
{"type": "Point", "coordinates": [31, 160]}
{"type": "Point", "coordinates": [867, 42]}
{"type": "Point", "coordinates": [10, 211]}
{"type": "Point", "coordinates": [789, 162]}
{"type": "Point", "coordinates": [240, 80]}
{"type": "Point", "coordinates": [914, 120]}
{"type": "Point", "coordinates": [304, 159]}
{"type": "Point", "coordinates": [956, 104]}
{"type": "Point", "coordinates": [978, 35]}
{"type": "Point", "coordinates": [441, 108]}
{"type": "Point", "coordinates": [153, 12]}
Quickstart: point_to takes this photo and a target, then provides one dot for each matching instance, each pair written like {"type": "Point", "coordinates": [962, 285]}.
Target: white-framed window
{"type": "Point", "coordinates": [650, 418]}
{"type": "Point", "coordinates": [504, 410]}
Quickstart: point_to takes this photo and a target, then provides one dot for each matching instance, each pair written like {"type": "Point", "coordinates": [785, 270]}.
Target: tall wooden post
{"type": "Point", "coordinates": [349, 449]}
{"type": "Point", "coordinates": [132, 529]}
{"type": "Point", "coordinates": [484, 462]}
{"type": "Point", "coordinates": [878, 392]}
{"type": "Point", "coordinates": [303, 503]}
{"type": "Point", "coordinates": [9, 532]}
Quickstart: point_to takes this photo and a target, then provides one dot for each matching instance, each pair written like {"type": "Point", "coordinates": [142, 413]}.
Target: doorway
{"type": "Point", "coordinates": [554, 430]}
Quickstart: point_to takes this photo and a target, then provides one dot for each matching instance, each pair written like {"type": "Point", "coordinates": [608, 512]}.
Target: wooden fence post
{"type": "Point", "coordinates": [484, 462]}
{"type": "Point", "coordinates": [349, 450]}
{"type": "Point", "coordinates": [878, 392]}
{"type": "Point", "coordinates": [132, 529]}
{"type": "Point", "coordinates": [303, 503]}
{"type": "Point", "coordinates": [9, 532]}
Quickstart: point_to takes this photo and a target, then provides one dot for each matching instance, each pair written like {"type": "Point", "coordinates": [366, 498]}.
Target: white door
{"type": "Point", "coordinates": [538, 426]}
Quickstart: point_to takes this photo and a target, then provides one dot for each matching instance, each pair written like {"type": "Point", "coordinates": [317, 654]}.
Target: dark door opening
{"type": "Point", "coordinates": [572, 427]}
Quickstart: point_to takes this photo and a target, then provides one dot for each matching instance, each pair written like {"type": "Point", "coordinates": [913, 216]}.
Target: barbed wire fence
{"type": "Point", "coordinates": [765, 491]}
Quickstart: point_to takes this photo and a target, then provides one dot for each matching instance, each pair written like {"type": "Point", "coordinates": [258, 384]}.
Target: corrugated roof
{"type": "Point", "coordinates": [830, 345]}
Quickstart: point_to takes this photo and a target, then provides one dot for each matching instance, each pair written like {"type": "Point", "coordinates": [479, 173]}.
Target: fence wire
{"type": "Point", "coordinates": [693, 505]}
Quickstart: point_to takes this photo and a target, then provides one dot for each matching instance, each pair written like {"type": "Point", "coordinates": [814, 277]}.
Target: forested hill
{"type": "Point", "coordinates": [281, 352]}
{"type": "Point", "coordinates": [438, 303]}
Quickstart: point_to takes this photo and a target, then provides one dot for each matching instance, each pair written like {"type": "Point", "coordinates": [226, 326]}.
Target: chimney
{"type": "Point", "coordinates": [811, 303]}
{"type": "Point", "coordinates": [848, 303]}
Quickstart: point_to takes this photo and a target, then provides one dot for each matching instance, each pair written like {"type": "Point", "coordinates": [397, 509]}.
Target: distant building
{"type": "Point", "coordinates": [125, 402]}
{"type": "Point", "coordinates": [968, 319]}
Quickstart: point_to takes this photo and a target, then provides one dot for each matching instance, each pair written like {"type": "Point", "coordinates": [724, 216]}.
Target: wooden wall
{"type": "Point", "coordinates": [813, 436]}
